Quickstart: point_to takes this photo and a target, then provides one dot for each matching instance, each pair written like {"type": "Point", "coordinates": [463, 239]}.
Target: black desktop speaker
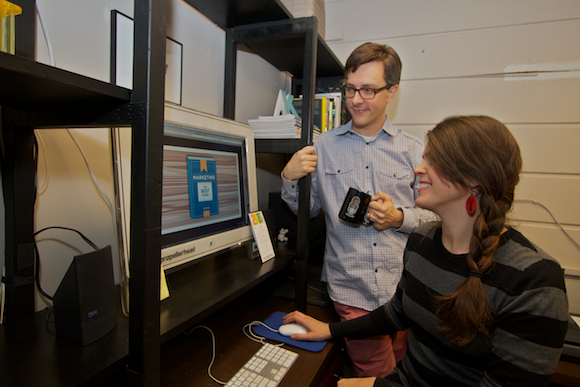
{"type": "Point", "coordinates": [85, 307]}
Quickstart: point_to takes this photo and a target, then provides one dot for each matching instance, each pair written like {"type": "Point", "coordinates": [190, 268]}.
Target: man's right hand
{"type": "Point", "coordinates": [302, 163]}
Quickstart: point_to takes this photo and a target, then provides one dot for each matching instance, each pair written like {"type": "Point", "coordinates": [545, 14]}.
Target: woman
{"type": "Point", "coordinates": [485, 307]}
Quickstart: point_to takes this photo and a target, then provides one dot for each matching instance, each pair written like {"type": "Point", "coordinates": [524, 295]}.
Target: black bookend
{"type": "Point", "coordinates": [85, 303]}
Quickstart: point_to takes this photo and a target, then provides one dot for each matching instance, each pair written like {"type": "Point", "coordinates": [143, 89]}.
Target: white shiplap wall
{"type": "Point", "coordinates": [517, 61]}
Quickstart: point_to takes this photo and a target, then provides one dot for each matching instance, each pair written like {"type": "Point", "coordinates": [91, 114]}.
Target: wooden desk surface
{"type": "Point", "coordinates": [185, 358]}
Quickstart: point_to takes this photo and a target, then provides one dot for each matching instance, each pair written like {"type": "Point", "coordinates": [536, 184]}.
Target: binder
{"type": "Point", "coordinates": [327, 110]}
{"type": "Point", "coordinates": [320, 112]}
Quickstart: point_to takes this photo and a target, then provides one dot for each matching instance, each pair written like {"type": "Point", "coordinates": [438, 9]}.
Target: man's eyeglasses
{"type": "Point", "coordinates": [365, 93]}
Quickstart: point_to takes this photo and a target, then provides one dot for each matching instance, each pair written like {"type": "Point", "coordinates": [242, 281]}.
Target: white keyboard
{"type": "Point", "coordinates": [265, 369]}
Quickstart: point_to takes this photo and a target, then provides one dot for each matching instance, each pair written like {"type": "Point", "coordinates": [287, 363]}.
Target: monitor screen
{"type": "Point", "coordinates": [209, 185]}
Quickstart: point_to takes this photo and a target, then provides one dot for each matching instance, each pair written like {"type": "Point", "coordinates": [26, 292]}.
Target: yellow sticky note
{"type": "Point", "coordinates": [163, 288]}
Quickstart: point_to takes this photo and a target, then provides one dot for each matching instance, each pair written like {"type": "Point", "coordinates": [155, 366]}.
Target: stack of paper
{"type": "Point", "coordinates": [282, 126]}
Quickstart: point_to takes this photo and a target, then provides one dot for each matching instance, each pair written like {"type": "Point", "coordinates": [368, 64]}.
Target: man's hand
{"type": "Point", "coordinates": [382, 212]}
{"type": "Point", "coordinates": [302, 163]}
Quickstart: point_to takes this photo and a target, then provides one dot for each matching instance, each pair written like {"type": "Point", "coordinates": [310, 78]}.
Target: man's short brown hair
{"type": "Point", "coordinates": [370, 52]}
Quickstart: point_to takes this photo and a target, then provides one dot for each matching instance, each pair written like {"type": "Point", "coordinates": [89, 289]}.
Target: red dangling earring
{"type": "Point", "coordinates": [471, 204]}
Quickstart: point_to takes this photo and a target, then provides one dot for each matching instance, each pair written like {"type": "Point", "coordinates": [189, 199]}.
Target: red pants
{"type": "Point", "coordinates": [373, 356]}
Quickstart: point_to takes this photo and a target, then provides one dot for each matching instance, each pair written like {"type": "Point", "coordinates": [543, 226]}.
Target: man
{"type": "Point", "coordinates": [362, 265]}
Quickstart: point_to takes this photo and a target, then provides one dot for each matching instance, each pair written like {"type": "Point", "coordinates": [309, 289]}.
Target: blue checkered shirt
{"type": "Point", "coordinates": [362, 266]}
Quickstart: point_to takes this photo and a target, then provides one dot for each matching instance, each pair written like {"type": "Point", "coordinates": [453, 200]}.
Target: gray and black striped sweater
{"type": "Point", "coordinates": [527, 297]}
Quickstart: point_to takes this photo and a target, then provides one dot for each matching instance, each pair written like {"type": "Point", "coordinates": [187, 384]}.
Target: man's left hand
{"type": "Point", "coordinates": [382, 212]}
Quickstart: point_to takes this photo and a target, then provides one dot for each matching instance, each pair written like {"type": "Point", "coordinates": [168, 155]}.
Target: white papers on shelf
{"type": "Point", "coordinates": [284, 126]}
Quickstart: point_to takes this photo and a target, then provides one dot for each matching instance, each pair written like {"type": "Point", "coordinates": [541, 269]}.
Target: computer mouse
{"type": "Point", "coordinates": [289, 329]}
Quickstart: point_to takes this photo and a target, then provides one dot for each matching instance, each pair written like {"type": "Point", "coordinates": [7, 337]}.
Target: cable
{"type": "Point", "coordinates": [113, 220]}
{"type": "Point", "coordinates": [249, 333]}
{"type": "Point", "coordinates": [116, 140]}
{"type": "Point", "coordinates": [94, 246]}
{"type": "Point", "coordinates": [552, 215]}
{"type": "Point", "coordinates": [91, 172]}
{"type": "Point", "coordinates": [252, 336]}
{"type": "Point", "coordinates": [212, 352]}
{"type": "Point", "coordinates": [45, 32]}
{"type": "Point", "coordinates": [2, 297]}
{"type": "Point", "coordinates": [44, 186]}
{"type": "Point", "coordinates": [37, 256]}
{"type": "Point", "coordinates": [123, 239]}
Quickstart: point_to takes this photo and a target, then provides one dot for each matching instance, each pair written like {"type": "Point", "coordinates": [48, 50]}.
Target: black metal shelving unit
{"type": "Point", "coordinates": [36, 96]}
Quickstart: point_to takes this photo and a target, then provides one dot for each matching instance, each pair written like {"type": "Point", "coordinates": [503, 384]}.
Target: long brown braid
{"type": "Point", "coordinates": [475, 151]}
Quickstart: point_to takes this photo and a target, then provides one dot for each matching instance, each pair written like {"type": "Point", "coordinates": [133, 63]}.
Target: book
{"type": "Point", "coordinates": [203, 193]}
{"type": "Point", "coordinates": [320, 112]}
{"type": "Point", "coordinates": [327, 110]}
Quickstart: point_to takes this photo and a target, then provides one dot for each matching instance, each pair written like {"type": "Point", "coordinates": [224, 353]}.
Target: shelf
{"type": "Point", "coordinates": [286, 146]}
{"type": "Point", "coordinates": [203, 287]}
{"type": "Point", "coordinates": [281, 43]}
{"type": "Point", "coordinates": [261, 18]}
{"type": "Point", "coordinates": [37, 95]}
{"type": "Point", "coordinates": [231, 13]}
{"type": "Point", "coordinates": [29, 84]}
{"type": "Point", "coordinates": [32, 355]}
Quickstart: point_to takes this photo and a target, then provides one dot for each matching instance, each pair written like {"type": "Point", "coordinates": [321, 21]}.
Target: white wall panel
{"type": "Point", "coordinates": [556, 243]}
{"type": "Point", "coordinates": [257, 86]}
{"type": "Point", "coordinates": [203, 57]}
{"type": "Point", "coordinates": [558, 193]}
{"type": "Point", "coordinates": [484, 51]}
{"type": "Point", "coordinates": [369, 20]}
{"type": "Point", "coordinates": [416, 130]}
{"type": "Point", "coordinates": [79, 33]}
{"type": "Point", "coordinates": [549, 148]}
{"type": "Point", "coordinates": [530, 99]}
{"type": "Point", "coordinates": [491, 51]}
{"type": "Point", "coordinates": [545, 148]}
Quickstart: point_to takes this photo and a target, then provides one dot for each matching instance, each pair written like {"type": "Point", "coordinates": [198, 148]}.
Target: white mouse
{"type": "Point", "coordinates": [289, 329]}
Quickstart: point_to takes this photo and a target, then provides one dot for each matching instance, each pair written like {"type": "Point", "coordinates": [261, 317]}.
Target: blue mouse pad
{"type": "Point", "coordinates": [274, 322]}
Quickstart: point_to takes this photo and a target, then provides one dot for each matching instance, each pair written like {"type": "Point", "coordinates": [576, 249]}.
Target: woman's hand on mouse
{"type": "Point", "coordinates": [317, 330]}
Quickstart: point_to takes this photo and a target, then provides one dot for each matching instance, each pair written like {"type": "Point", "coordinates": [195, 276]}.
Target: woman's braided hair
{"type": "Point", "coordinates": [475, 151]}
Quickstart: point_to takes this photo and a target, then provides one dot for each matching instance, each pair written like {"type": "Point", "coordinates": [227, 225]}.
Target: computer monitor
{"type": "Point", "coordinates": [209, 185]}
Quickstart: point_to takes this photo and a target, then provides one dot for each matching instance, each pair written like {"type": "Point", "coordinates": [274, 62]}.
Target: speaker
{"type": "Point", "coordinates": [85, 307]}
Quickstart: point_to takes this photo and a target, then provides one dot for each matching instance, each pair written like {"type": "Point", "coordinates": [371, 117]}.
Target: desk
{"type": "Point", "coordinates": [185, 358]}
{"type": "Point", "coordinates": [567, 374]}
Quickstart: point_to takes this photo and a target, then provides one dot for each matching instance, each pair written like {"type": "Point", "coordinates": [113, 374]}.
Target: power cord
{"type": "Point", "coordinates": [45, 32]}
{"type": "Point", "coordinates": [530, 201]}
{"type": "Point", "coordinates": [212, 353]}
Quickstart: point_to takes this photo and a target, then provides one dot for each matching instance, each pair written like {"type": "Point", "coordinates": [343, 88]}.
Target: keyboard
{"type": "Point", "coordinates": [265, 369]}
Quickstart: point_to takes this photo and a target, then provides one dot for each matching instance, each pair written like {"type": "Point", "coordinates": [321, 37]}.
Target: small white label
{"type": "Point", "coordinates": [261, 235]}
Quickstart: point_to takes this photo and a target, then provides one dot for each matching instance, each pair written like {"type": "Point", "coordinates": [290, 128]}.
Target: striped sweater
{"type": "Point", "coordinates": [527, 298]}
